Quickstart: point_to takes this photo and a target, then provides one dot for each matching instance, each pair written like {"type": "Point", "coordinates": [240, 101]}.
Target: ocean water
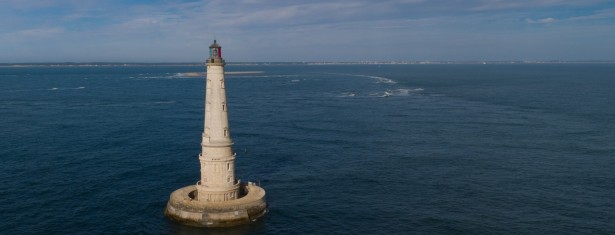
{"type": "Point", "coordinates": [340, 149]}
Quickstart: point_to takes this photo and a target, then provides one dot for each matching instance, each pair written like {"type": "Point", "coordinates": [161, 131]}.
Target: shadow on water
{"type": "Point", "coordinates": [257, 227]}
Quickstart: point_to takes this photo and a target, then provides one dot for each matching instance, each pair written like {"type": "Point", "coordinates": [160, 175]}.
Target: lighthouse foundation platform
{"type": "Point", "coordinates": [183, 207]}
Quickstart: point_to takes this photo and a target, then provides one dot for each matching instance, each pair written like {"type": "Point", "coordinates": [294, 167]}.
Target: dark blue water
{"type": "Point", "coordinates": [340, 149]}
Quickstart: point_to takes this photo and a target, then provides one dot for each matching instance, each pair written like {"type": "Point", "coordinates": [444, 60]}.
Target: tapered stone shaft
{"type": "Point", "coordinates": [217, 157]}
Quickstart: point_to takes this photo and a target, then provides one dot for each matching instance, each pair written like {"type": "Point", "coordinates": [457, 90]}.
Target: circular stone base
{"type": "Point", "coordinates": [184, 208]}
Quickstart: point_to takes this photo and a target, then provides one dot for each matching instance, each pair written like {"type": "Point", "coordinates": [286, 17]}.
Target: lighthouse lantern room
{"type": "Point", "coordinates": [215, 53]}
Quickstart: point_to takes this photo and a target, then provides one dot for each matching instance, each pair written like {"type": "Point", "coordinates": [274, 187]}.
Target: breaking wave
{"type": "Point", "coordinates": [377, 78]}
{"type": "Point", "coordinates": [66, 88]}
{"type": "Point", "coordinates": [397, 92]}
{"type": "Point", "coordinates": [382, 80]}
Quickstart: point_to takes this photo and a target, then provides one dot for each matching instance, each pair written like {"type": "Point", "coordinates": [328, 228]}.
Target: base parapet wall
{"type": "Point", "coordinates": [184, 208]}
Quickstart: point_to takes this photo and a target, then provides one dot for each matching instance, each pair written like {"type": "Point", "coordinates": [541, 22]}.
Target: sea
{"type": "Point", "coordinates": [339, 148]}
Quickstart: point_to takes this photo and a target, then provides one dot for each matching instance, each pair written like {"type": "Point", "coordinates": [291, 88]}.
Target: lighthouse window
{"type": "Point", "coordinates": [228, 166]}
{"type": "Point", "coordinates": [222, 83]}
{"type": "Point", "coordinates": [225, 132]}
{"type": "Point", "coordinates": [223, 107]}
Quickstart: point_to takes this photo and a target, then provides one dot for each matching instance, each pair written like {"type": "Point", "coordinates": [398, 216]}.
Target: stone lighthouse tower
{"type": "Point", "coordinates": [217, 157]}
{"type": "Point", "coordinates": [217, 199]}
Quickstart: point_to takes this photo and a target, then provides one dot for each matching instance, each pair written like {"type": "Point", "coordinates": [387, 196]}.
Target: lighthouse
{"type": "Point", "coordinates": [217, 157]}
{"type": "Point", "coordinates": [218, 199]}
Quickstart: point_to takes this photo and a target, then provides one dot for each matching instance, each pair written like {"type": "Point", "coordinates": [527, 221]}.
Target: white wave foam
{"type": "Point", "coordinates": [377, 78]}
{"type": "Point", "coordinates": [403, 91]}
{"type": "Point", "coordinates": [397, 92]}
{"type": "Point", "coordinates": [382, 94]}
{"type": "Point", "coordinates": [163, 75]}
{"type": "Point", "coordinates": [159, 77]}
{"type": "Point", "coordinates": [348, 94]}
{"type": "Point", "coordinates": [407, 91]}
{"type": "Point", "coordinates": [187, 75]}
{"type": "Point", "coordinates": [66, 88]}
{"type": "Point", "coordinates": [382, 80]}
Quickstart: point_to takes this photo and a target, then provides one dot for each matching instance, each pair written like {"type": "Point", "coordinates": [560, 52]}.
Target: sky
{"type": "Point", "coordinates": [301, 30]}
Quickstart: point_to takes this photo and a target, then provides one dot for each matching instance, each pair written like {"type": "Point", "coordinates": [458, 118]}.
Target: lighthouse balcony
{"type": "Point", "coordinates": [216, 143]}
{"type": "Point", "coordinates": [218, 159]}
{"type": "Point", "coordinates": [217, 193]}
{"type": "Point", "coordinates": [236, 182]}
{"type": "Point", "coordinates": [215, 61]}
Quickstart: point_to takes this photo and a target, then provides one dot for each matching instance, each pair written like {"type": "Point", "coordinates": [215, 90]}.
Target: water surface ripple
{"type": "Point", "coordinates": [340, 149]}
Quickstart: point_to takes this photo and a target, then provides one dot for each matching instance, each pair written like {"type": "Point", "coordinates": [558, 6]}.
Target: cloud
{"type": "Point", "coordinates": [491, 5]}
{"type": "Point", "coordinates": [293, 14]}
{"type": "Point", "coordinates": [541, 21]}
{"type": "Point", "coordinates": [598, 15]}
{"type": "Point", "coordinates": [34, 34]}
{"type": "Point", "coordinates": [27, 4]}
{"type": "Point", "coordinates": [172, 30]}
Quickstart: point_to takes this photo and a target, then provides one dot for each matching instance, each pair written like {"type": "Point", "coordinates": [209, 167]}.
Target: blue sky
{"type": "Point", "coordinates": [329, 30]}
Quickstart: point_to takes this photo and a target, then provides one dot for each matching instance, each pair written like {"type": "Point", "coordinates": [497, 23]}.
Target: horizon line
{"type": "Point", "coordinates": [320, 62]}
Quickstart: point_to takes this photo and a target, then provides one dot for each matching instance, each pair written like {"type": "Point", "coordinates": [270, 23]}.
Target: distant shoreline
{"type": "Point", "coordinates": [113, 64]}
{"type": "Point", "coordinates": [199, 74]}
